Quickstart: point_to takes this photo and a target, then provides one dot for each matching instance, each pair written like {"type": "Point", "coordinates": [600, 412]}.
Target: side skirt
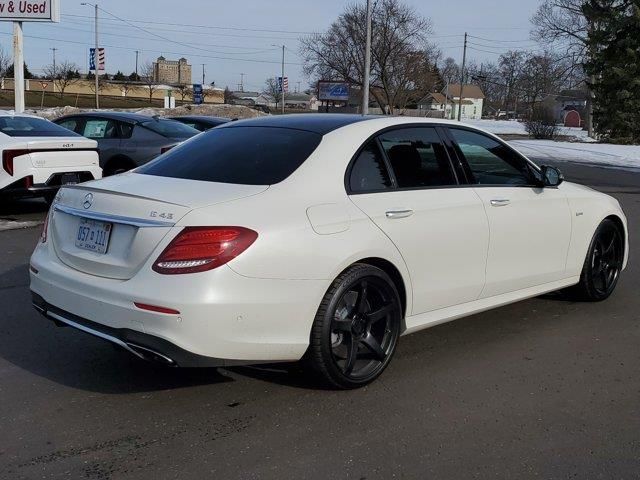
{"type": "Point", "coordinates": [431, 319]}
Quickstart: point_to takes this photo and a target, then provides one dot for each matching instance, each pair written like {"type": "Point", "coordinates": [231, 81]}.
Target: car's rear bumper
{"type": "Point", "coordinates": [224, 318]}
{"type": "Point", "coordinates": [142, 345]}
{"type": "Point", "coordinates": [30, 186]}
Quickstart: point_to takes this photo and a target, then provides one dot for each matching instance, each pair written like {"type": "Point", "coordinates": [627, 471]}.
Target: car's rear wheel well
{"type": "Point", "coordinates": [395, 275]}
{"type": "Point", "coordinates": [117, 164]}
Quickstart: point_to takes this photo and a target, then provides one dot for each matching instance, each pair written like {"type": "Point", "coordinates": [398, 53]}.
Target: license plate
{"type": "Point", "coordinates": [70, 179]}
{"type": "Point", "coordinates": [93, 235]}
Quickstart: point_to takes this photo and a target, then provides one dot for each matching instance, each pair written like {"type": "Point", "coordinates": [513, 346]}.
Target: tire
{"type": "Point", "coordinates": [118, 166]}
{"type": "Point", "coordinates": [356, 328]}
{"type": "Point", "coordinates": [50, 197]}
{"type": "Point", "coordinates": [603, 263]}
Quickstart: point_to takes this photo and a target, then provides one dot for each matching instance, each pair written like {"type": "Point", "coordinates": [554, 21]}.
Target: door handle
{"type": "Point", "coordinates": [393, 214]}
{"type": "Point", "coordinates": [502, 202]}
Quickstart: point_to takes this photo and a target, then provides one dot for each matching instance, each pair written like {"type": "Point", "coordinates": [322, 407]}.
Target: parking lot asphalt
{"type": "Point", "coordinates": [546, 388]}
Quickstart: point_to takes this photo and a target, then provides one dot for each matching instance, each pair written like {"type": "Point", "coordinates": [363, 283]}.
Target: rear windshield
{"type": "Point", "coordinates": [32, 127]}
{"type": "Point", "coordinates": [240, 155]}
{"type": "Point", "coordinates": [170, 128]}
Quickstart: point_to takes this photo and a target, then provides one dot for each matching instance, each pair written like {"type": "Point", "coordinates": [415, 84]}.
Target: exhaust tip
{"type": "Point", "coordinates": [151, 355]}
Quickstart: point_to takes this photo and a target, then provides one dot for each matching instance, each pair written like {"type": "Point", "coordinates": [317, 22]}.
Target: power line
{"type": "Point", "coordinates": [171, 24]}
{"type": "Point", "coordinates": [250, 60]}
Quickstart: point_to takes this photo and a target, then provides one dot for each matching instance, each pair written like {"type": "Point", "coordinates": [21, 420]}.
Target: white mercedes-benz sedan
{"type": "Point", "coordinates": [39, 156]}
{"type": "Point", "coordinates": [317, 237]}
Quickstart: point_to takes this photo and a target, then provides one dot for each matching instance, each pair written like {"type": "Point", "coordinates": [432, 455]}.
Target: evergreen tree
{"type": "Point", "coordinates": [614, 64]}
{"type": "Point", "coordinates": [27, 74]}
{"type": "Point", "coordinates": [119, 76]}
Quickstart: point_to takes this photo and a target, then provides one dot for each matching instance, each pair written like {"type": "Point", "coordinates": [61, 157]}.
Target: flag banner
{"type": "Point", "coordinates": [101, 59]}
{"type": "Point", "coordinates": [286, 84]}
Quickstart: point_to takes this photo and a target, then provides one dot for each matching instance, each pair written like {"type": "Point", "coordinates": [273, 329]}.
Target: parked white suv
{"type": "Point", "coordinates": [38, 157]}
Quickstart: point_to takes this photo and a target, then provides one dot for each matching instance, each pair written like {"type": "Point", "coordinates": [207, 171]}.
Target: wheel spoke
{"type": "Point", "coordinates": [374, 347]}
{"type": "Point", "coordinates": [341, 325]}
{"type": "Point", "coordinates": [361, 301]}
{"type": "Point", "coordinates": [605, 277]}
{"type": "Point", "coordinates": [382, 312]}
{"type": "Point", "coordinates": [352, 355]}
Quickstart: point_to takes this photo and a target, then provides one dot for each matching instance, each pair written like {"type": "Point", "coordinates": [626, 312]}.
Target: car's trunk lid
{"type": "Point", "coordinates": [140, 211]}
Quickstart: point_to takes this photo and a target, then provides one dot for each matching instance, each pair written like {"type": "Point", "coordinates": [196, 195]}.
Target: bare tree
{"type": "Point", "coordinates": [147, 75]}
{"type": "Point", "coordinates": [63, 75]}
{"type": "Point", "coordinates": [128, 86]}
{"type": "Point", "coordinates": [184, 91]}
{"type": "Point", "coordinates": [399, 34]}
{"type": "Point", "coordinates": [562, 21]}
{"type": "Point", "coordinates": [5, 62]}
{"type": "Point", "coordinates": [272, 89]}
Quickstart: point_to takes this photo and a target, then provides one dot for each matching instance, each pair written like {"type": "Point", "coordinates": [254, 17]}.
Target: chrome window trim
{"type": "Point", "coordinates": [106, 217]}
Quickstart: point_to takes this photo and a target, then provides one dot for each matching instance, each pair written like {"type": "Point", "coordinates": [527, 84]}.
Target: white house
{"type": "Point", "coordinates": [446, 104]}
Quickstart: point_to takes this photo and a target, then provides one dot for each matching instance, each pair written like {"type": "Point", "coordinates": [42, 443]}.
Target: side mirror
{"type": "Point", "coordinates": [551, 176]}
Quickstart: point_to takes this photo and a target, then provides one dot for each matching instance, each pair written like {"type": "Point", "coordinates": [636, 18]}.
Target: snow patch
{"type": "Point", "coordinates": [626, 156]}
{"type": "Point", "coordinates": [16, 225]}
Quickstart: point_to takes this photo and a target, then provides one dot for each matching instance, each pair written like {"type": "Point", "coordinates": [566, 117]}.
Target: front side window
{"type": "Point", "coordinates": [237, 155]}
{"type": "Point", "coordinates": [490, 162]}
{"type": "Point", "coordinates": [369, 172]}
{"type": "Point", "coordinates": [418, 158]}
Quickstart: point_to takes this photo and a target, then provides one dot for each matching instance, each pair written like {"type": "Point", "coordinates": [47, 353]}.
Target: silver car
{"type": "Point", "coordinates": [127, 140]}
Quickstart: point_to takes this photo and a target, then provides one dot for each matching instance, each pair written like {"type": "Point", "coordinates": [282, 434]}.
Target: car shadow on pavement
{"type": "Point", "coordinates": [33, 343]}
{"type": "Point", "coordinates": [12, 208]}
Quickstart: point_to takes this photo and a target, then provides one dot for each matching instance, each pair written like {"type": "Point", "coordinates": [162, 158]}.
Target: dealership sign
{"type": "Point", "coordinates": [333, 91]}
{"type": "Point", "coordinates": [30, 10]}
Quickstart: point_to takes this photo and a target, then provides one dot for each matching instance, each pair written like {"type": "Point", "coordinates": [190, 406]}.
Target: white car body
{"type": "Point", "coordinates": [34, 165]}
{"type": "Point", "coordinates": [456, 254]}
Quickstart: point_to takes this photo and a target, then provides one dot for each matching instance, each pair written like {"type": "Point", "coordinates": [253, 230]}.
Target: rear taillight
{"type": "Point", "coordinates": [7, 159]}
{"type": "Point", "coordinates": [45, 230]}
{"type": "Point", "coordinates": [198, 249]}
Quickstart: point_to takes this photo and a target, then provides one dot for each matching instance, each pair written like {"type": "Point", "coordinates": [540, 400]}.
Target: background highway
{"type": "Point", "coordinates": [546, 388]}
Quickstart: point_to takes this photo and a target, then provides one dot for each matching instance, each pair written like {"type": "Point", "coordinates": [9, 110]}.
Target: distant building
{"type": "Point", "coordinates": [172, 72]}
{"type": "Point", "coordinates": [447, 103]}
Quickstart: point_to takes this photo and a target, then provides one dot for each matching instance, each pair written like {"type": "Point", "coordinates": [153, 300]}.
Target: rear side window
{"type": "Point", "coordinates": [239, 155]}
{"type": "Point", "coordinates": [32, 127]}
{"type": "Point", "coordinates": [369, 173]}
{"type": "Point", "coordinates": [170, 128]}
{"type": "Point", "coordinates": [100, 128]}
{"type": "Point", "coordinates": [418, 158]}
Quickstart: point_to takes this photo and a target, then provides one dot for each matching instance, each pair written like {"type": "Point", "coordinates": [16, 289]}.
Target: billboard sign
{"type": "Point", "coordinates": [198, 94]}
{"type": "Point", "coordinates": [333, 91]}
{"type": "Point", "coordinates": [30, 10]}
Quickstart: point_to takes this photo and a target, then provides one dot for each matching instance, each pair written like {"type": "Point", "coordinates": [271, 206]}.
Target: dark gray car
{"type": "Point", "coordinates": [127, 140]}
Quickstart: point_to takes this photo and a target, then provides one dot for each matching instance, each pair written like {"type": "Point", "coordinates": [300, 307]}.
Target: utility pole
{"type": "Point", "coordinates": [54, 60]}
{"type": "Point", "coordinates": [242, 82]}
{"type": "Point", "coordinates": [367, 64]}
{"type": "Point", "coordinates": [464, 65]}
{"type": "Point", "coordinates": [18, 66]}
{"type": "Point", "coordinates": [282, 83]}
{"type": "Point", "coordinates": [137, 53]}
{"type": "Point", "coordinates": [96, 57]}
{"type": "Point", "coordinates": [203, 74]}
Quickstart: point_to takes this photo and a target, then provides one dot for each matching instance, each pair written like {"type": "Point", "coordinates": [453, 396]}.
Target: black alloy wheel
{"type": "Point", "coordinates": [357, 328]}
{"type": "Point", "coordinates": [603, 263]}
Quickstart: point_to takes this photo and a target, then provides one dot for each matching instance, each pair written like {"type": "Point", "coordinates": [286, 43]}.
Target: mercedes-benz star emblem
{"type": "Point", "coordinates": [88, 201]}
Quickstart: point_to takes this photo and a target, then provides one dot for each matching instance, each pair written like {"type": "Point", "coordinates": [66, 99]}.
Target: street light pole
{"type": "Point", "coordinates": [282, 79]}
{"type": "Point", "coordinates": [96, 54]}
{"type": "Point", "coordinates": [367, 64]}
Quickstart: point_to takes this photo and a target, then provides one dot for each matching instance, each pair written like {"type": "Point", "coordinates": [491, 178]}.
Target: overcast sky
{"type": "Point", "coordinates": [234, 37]}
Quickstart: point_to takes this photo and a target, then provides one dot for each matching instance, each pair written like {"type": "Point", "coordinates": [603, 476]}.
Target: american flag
{"type": "Point", "coordinates": [101, 59]}
{"type": "Point", "coordinates": [286, 84]}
